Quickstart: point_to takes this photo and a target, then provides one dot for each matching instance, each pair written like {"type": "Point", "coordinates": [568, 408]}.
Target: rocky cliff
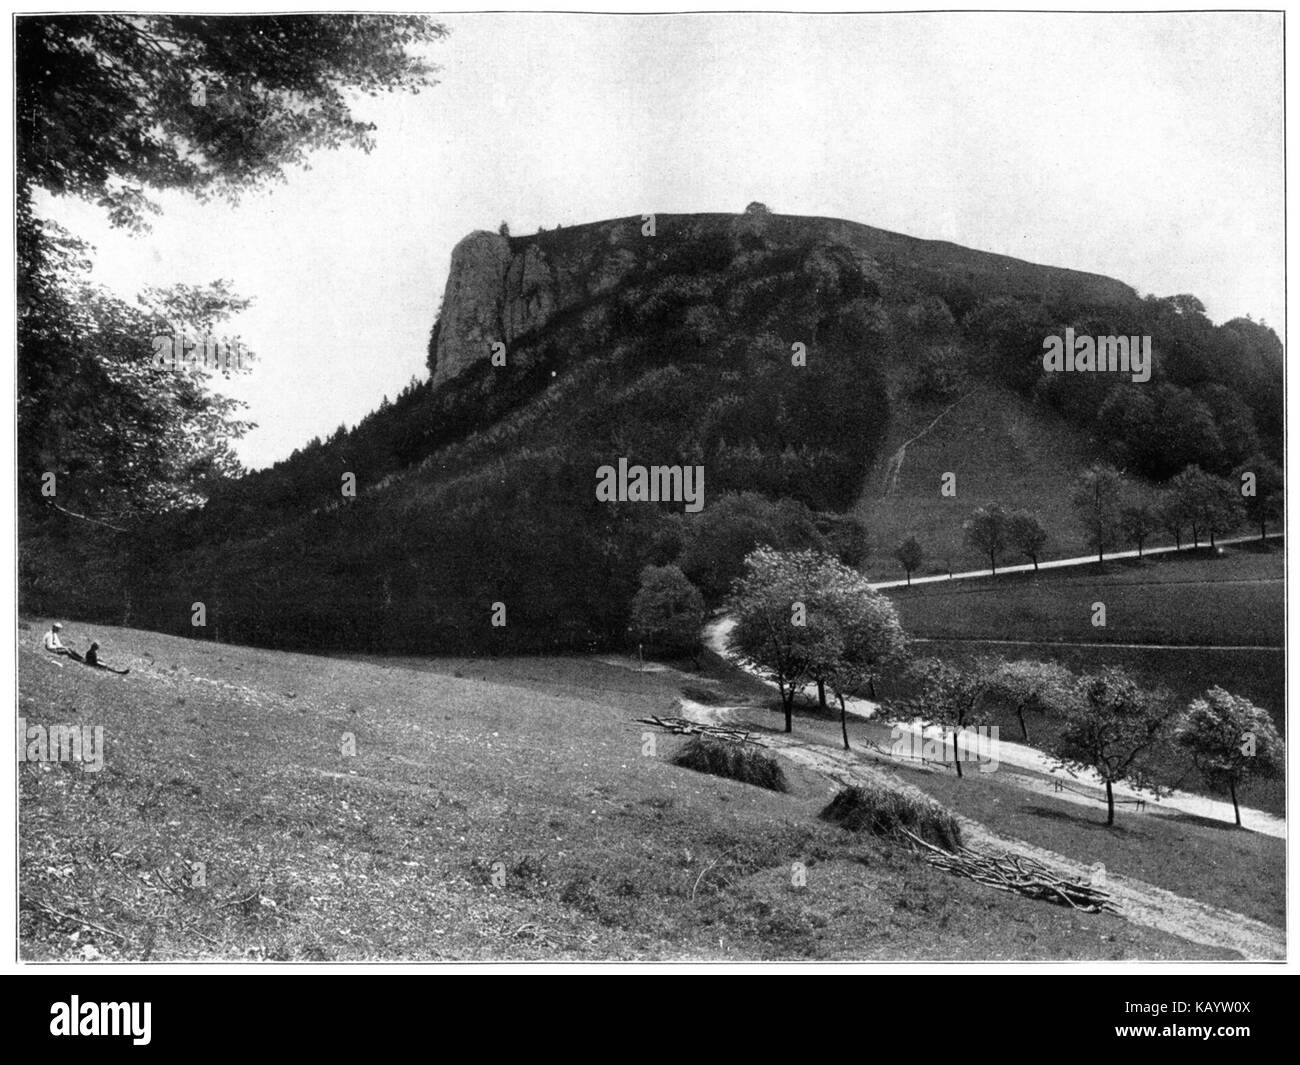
{"type": "Point", "coordinates": [500, 288]}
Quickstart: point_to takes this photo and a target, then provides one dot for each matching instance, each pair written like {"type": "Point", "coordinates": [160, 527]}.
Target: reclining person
{"type": "Point", "coordinates": [55, 646]}
{"type": "Point", "coordinates": [92, 659]}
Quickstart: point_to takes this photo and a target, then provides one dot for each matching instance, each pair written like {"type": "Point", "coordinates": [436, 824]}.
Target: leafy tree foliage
{"type": "Point", "coordinates": [1118, 730]}
{"type": "Point", "coordinates": [774, 627]}
{"type": "Point", "coordinates": [1266, 502]}
{"type": "Point", "coordinates": [1231, 741]}
{"type": "Point", "coordinates": [804, 616]}
{"type": "Point", "coordinates": [1138, 520]}
{"type": "Point", "coordinates": [1098, 496]}
{"type": "Point", "coordinates": [668, 611]}
{"type": "Point", "coordinates": [910, 555]}
{"type": "Point", "coordinates": [108, 105]}
{"type": "Point", "coordinates": [108, 108]}
{"type": "Point", "coordinates": [871, 638]}
{"type": "Point", "coordinates": [950, 697]}
{"type": "Point", "coordinates": [1026, 534]}
{"type": "Point", "coordinates": [1026, 686]}
{"type": "Point", "coordinates": [1211, 504]}
{"type": "Point", "coordinates": [986, 532]}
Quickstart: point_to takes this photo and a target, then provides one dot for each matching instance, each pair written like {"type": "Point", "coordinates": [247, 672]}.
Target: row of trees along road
{"type": "Point", "coordinates": [1105, 722]}
{"type": "Point", "coordinates": [1114, 512]}
{"type": "Point", "coordinates": [802, 617]}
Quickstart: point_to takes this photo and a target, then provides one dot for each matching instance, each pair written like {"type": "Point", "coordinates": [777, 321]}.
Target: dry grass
{"type": "Point", "coordinates": [882, 812]}
{"type": "Point", "coordinates": [733, 760]}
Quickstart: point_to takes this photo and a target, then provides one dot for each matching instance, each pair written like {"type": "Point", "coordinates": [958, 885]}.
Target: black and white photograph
{"type": "Point", "coordinates": [721, 491]}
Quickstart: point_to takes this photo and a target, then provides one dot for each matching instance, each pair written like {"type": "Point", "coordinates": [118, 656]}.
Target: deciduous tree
{"type": "Point", "coordinates": [1117, 729]}
{"type": "Point", "coordinates": [1231, 741]}
{"type": "Point", "coordinates": [910, 555]}
{"type": "Point", "coordinates": [986, 532]}
{"type": "Point", "coordinates": [1097, 498]}
{"type": "Point", "coordinates": [1026, 534]}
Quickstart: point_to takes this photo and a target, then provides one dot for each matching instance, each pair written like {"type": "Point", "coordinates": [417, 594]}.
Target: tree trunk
{"type": "Point", "coordinates": [821, 694]}
{"type": "Point", "coordinates": [1035, 558]}
{"type": "Point", "coordinates": [1110, 805]}
{"type": "Point", "coordinates": [1024, 731]}
{"type": "Point", "coordinates": [789, 710]}
{"type": "Point", "coordinates": [909, 578]}
{"type": "Point", "coordinates": [1232, 787]}
{"type": "Point", "coordinates": [956, 751]}
{"type": "Point", "coordinates": [1211, 535]}
{"type": "Point", "coordinates": [844, 723]}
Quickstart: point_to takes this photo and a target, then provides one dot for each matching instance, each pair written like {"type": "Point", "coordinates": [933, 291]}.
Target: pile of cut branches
{"type": "Point", "coordinates": [1022, 875]}
{"type": "Point", "coordinates": [682, 727]}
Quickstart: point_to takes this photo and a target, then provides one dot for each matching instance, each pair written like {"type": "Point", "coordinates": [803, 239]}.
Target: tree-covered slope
{"type": "Point", "coordinates": [782, 355]}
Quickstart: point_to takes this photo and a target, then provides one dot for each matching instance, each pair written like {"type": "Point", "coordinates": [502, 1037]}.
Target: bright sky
{"type": "Point", "coordinates": [1145, 147]}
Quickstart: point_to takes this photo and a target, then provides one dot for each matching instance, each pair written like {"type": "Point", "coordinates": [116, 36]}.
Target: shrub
{"type": "Point", "coordinates": [667, 611]}
{"type": "Point", "coordinates": [735, 761]}
{"type": "Point", "coordinates": [884, 812]}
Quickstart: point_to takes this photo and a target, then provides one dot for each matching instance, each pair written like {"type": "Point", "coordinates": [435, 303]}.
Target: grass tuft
{"type": "Point", "coordinates": [735, 761]}
{"type": "Point", "coordinates": [883, 812]}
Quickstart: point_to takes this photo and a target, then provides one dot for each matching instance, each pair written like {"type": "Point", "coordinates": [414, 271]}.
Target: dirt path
{"type": "Point", "coordinates": [894, 466]}
{"type": "Point", "coordinates": [1139, 902]}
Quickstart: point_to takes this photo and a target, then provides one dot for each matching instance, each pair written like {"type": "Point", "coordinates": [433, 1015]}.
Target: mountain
{"type": "Point", "coordinates": [789, 358]}
{"type": "Point", "coordinates": [502, 289]}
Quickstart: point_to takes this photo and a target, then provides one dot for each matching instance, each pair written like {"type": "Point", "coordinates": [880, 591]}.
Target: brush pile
{"type": "Point", "coordinates": [1024, 876]}
{"type": "Point", "coordinates": [682, 727]}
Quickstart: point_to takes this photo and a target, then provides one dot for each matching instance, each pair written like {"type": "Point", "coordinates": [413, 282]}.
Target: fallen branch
{"type": "Point", "coordinates": [680, 726]}
{"type": "Point", "coordinates": [1016, 873]}
{"type": "Point", "coordinates": [80, 920]}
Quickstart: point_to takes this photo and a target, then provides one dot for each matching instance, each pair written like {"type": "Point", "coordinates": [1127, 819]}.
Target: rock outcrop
{"type": "Point", "coordinates": [496, 294]}
{"type": "Point", "coordinates": [499, 289]}
{"type": "Point", "coordinates": [471, 304]}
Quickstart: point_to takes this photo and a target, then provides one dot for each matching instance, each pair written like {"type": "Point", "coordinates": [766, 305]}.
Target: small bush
{"type": "Point", "coordinates": [883, 812]}
{"type": "Point", "coordinates": [735, 761]}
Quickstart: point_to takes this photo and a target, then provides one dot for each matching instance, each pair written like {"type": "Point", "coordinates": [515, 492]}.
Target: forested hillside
{"type": "Point", "coordinates": [773, 351]}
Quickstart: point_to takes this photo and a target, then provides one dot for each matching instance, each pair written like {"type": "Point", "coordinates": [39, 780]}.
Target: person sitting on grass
{"type": "Point", "coordinates": [92, 659]}
{"type": "Point", "coordinates": [55, 646]}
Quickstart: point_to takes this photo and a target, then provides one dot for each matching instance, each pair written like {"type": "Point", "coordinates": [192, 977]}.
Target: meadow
{"type": "Point", "coordinates": [490, 809]}
{"type": "Point", "coordinates": [1194, 597]}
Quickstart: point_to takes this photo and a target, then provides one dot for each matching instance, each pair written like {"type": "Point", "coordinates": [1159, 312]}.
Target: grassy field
{"type": "Point", "coordinates": [508, 812]}
{"type": "Point", "coordinates": [1192, 598]}
{"type": "Point", "coordinates": [1189, 598]}
{"type": "Point", "coordinates": [1002, 449]}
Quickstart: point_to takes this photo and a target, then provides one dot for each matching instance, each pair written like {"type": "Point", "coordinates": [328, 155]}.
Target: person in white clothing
{"type": "Point", "coordinates": [55, 646]}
